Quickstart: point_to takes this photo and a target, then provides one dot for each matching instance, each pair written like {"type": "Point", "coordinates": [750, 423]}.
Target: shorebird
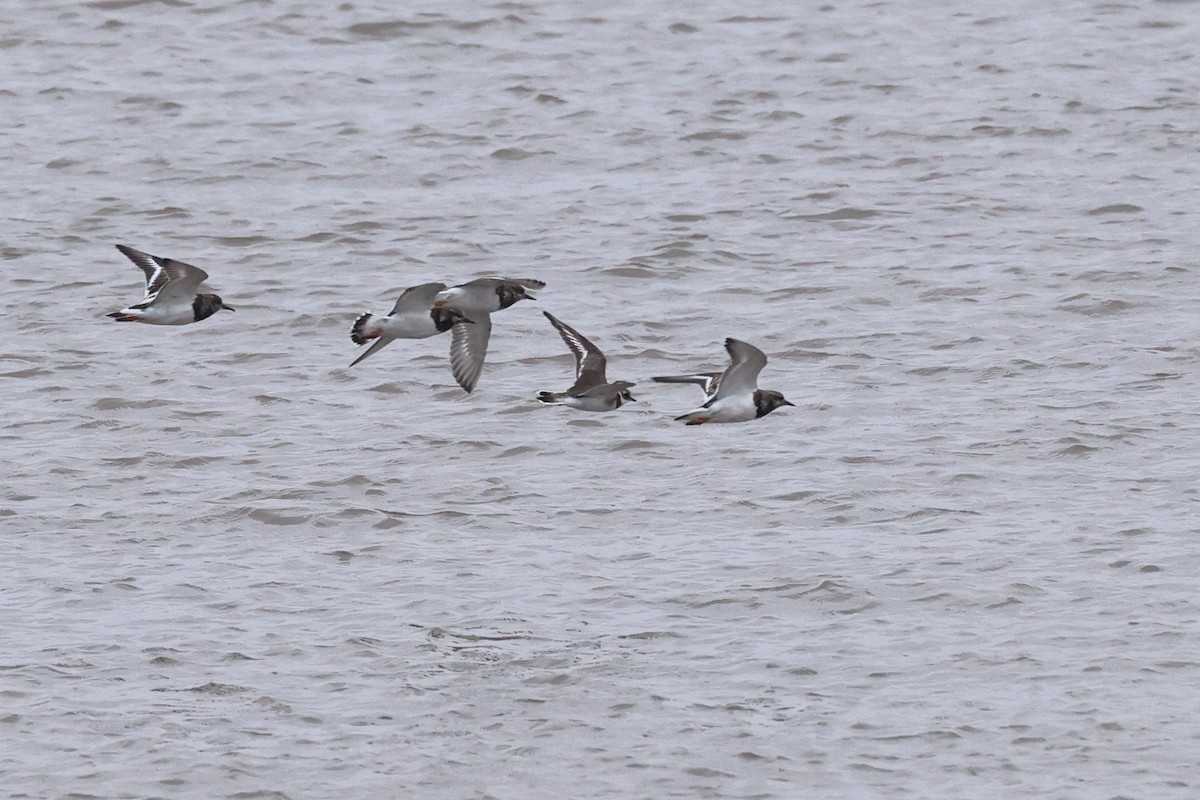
{"type": "Point", "coordinates": [171, 297]}
{"type": "Point", "coordinates": [591, 390]}
{"type": "Point", "coordinates": [732, 395]}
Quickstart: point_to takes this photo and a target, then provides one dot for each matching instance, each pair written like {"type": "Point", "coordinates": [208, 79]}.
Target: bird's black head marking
{"type": "Point", "coordinates": [766, 401]}
{"type": "Point", "coordinates": [205, 305]}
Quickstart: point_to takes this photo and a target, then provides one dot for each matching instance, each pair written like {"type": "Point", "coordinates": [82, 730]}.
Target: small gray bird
{"type": "Point", "coordinates": [171, 297]}
{"type": "Point", "coordinates": [732, 395]}
{"type": "Point", "coordinates": [478, 300]}
{"type": "Point", "coordinates": [591, 391]}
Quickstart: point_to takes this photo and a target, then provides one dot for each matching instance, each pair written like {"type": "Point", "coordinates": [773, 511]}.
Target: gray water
{"type": "Point", "coordinates": [964, 566]}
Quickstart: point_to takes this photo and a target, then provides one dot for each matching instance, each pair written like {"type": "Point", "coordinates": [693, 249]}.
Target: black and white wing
{"type": "Point", "coordinates": [741, 378]}
{"type": "Point", "coordinates": [165, 276]}
{"type": "Point", "coordinates": [589, 361]}
{"type": "Point", "coordinates": [708, 382]}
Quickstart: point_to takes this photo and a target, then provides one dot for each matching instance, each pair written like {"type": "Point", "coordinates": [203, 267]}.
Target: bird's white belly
{"type": "Point", "coordinates": [733, 409]}
{"type": "Point", "coordinates": [167, 315]}
{"type": "Point", "coordinates": [586, 403]}
{"type": "Point", "coordinates": [408, 327]}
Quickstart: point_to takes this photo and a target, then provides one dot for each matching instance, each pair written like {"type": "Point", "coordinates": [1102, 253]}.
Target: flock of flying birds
{"type": "Point", "coordinates": [172, 298]}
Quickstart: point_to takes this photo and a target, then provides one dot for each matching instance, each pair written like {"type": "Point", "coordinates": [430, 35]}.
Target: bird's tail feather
{"type": "Point", "coordinates": [364, 329]}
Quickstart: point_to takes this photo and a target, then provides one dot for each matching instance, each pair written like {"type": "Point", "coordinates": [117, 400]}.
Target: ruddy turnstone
{"type": "Point", "coordinates": [413, 317]}
{"type": "Point", "coordinates": [591, 391]}
{"type": "Point", "coordinates": [479, 299]}
{"type": "Point", "coordinates": [171, 297]}
{"type": "Point", "coordinates": [732, 395]}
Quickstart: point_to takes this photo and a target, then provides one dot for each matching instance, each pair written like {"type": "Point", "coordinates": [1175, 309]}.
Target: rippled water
{"type": "Point", "coordinates": [964, 566]}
